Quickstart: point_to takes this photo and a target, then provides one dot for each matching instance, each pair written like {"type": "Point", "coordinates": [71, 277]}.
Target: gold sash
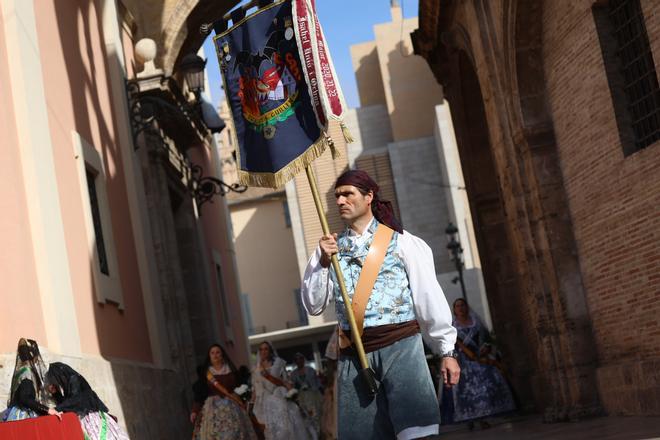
{"type": "Point", "coordinates": [368, 275]}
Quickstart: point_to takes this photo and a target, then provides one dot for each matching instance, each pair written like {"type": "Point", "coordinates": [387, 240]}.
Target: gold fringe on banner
{"type": "Point", "coordinates": [347, 134]}
{"type": "Point", "coordinates": [276, 180]}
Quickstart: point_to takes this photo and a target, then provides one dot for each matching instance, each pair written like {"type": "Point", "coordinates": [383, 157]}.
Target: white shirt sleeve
{"type": "Point", "coordinates": [431, 308]}
{"type": "Point", "coordinates": [317, 286]}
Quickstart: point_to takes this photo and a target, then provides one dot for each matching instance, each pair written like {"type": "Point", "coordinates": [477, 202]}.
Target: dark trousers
{"type": "Point", "coordinates": [405, 406]}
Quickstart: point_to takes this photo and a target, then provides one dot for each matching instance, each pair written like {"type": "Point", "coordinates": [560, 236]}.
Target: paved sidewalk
{"type": "Point", "coordinates": [602, 428]}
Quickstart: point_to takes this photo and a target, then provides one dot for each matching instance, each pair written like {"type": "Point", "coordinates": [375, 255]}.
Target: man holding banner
{"type": "Point", "coordinates": [390, 278]}
{"type": "Point", "coordinates": [282, 92]}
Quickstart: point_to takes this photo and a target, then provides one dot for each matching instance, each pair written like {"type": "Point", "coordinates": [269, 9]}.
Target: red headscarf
{"type": "Point", "coordinates": [382, 209]}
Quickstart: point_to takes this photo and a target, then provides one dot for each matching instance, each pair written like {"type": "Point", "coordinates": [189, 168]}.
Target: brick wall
{"type": "Point", "coordinates": [614, 203]}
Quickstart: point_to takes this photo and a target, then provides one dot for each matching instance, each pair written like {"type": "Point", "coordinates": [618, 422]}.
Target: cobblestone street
{"type": "Point", "coordinates": [602, 428]}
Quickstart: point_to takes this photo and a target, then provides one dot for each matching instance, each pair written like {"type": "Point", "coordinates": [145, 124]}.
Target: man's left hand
{"type": "Point", "coordinates": [451, 372]}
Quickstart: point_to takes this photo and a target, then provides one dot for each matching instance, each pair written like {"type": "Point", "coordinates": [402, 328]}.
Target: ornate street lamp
{"type": "Point", "coordinates": [192, 66]}
{"type": "Point", "coordinates": [456, 255]}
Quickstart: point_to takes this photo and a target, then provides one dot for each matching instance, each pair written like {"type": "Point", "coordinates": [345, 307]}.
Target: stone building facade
{"type": "Point", "coordinates": [564, 188]}
{"type": "Point", "coordinates": [109, 260]}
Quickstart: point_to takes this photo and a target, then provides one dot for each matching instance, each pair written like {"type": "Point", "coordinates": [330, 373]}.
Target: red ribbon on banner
{"type": "Point", "coordinates": [307, 57]}
{"type": "Point", "coordinates": [320, 75]}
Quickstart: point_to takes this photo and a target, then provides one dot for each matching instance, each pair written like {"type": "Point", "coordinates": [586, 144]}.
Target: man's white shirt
{"type": "Point", "coordinates": [431, 308]}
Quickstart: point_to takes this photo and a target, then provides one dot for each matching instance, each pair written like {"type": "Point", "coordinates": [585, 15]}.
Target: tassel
{"type": "Point", "coordinates": [347, 134]}
{"type": "Point", "coordinates": [333, 148]}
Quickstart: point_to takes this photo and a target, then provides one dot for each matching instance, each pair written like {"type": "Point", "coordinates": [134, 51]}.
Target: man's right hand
{"type": "Point", "coordinates": [450, 370]}
{"type": "Point", "coordinates": [328, 245]}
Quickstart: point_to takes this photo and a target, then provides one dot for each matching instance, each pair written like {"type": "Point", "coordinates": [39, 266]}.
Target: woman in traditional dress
{"type": "Point", "coordinates": [72, 393]}
{"type": "Point", "coordinates": [28, 397]}
{"type": "Point", "coordinates": [282, 417]}
{"type": "Point", "coordinates": [218, 413]}
{"type": "Point", "coordinates": [310, 400]}
{"type": "Point", "coordinates": [482, 391]}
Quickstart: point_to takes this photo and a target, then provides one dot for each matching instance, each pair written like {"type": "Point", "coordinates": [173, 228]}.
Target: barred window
{"type": "Point", "coordinates": [101, 248]}
{"type": "Point", "coordinates": [96, 219]}
{"type": "Point", "coordinates": [222, 293]}
{"type": "Point", "coordinates": [630, 72]}
{"type": "Point", "coordinates": [287, 214]}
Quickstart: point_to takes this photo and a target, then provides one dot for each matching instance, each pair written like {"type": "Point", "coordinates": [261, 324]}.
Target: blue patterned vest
{"type": "Point", "coordinates": [390, 301]}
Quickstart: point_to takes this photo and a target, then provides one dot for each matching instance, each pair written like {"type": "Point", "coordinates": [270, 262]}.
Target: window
{"type": "Point", "coordinates": [631, 73]}
{"type": "Point", "coordinates": [287, 214]}
{"type": "Point", "coordinates": [98, 222]}
{"type": "Point", "coordinates": [221, 290]}
{"type": "Point", "coordinates": [224, 304]}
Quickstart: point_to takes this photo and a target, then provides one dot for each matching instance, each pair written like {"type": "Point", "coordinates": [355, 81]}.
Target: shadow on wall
{"type": "Point", "coordinates": [369, 80]}
{"type": "Point", "coordinates": [414, 94]}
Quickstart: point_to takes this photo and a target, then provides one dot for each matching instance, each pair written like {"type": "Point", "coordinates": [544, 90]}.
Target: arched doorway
{"type": "Point", "coordinates": [490, 222]}
{"type": "Point", "coordinates": [564, 343]}
{"type": "Point", "coordinates": [494, 80]}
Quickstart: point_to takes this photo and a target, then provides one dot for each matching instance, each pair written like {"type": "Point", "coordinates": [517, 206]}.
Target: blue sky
{"type": "Point", "coordinates": [345, 22]}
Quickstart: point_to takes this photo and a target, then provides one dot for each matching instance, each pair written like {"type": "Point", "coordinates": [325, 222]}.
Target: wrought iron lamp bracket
{"type": "Point", "coordinates": [203, 188]}
{"type": "Point", "coordinates": [143, 113]}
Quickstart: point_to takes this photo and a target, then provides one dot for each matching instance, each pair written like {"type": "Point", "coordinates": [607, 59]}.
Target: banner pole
{"type": "Point", "coordinates": [366, 373]}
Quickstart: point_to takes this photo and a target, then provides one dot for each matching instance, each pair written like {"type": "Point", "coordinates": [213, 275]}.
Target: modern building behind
{"type": "Point", "coordinates": [263, 237]}
{"type": "Point", "coordinates": [109, 260]}
{"type": "Point", "coordinates": [556, 107]}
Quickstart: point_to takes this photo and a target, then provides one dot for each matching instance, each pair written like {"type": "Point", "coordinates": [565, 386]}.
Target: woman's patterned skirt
{"type": "Point", "coordinates": [222, 419]}
{"type": "Point", "coordinates": [101, 426]}
{"type": "Point", "coordinates": [14, 413]}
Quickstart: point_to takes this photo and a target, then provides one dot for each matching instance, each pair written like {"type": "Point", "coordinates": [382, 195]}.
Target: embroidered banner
{"type": "Point", "coordinates": [280, 105]}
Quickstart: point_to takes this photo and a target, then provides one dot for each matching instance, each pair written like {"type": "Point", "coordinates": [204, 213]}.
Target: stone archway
{"type": "Point", "coordinates": [567, 321]}
{"type": "Point", "coordinates": [183, 34]}
{"type": "Point", "coordinates": [490, 221]}
{"type": "Point", "coordinates": [175, 25]}
{"type": "Point", "coordinates": [493, 78]}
